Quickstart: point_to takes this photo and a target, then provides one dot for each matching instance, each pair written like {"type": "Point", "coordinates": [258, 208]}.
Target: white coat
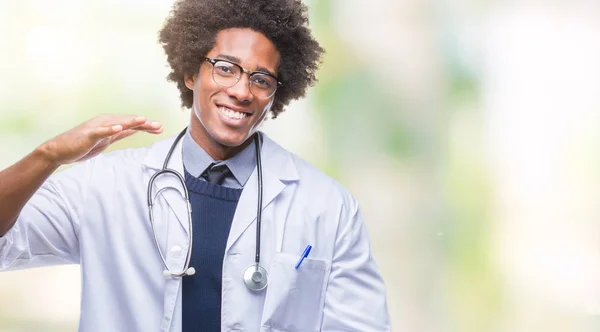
{"type": "Point", "coordinates": [96, 214]}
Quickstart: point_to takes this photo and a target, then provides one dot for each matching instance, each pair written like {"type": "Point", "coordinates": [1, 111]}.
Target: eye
{"type": "Point", "coordinates": [225, 69]}
{"type": "Point", "coordinates": [262, 81]}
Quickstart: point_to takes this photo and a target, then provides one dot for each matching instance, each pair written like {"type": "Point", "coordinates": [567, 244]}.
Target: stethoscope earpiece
{"type": "Point", "coordinates": [189, 272]}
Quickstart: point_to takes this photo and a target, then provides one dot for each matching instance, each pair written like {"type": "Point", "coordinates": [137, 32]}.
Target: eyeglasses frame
{"type": "Point", "coordinates": [213, 61]}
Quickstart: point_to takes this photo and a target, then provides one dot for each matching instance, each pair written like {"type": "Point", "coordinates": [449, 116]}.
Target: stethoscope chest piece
{"type": "Point", "coordinates": [255, 278]}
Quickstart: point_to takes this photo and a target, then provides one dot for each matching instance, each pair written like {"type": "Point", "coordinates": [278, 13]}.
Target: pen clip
{"type": "Point", "coordinates": [304, 255]}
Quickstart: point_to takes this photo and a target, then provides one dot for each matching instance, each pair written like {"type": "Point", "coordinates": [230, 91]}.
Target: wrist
{"type": "Point", "coordinates": [45, 152]}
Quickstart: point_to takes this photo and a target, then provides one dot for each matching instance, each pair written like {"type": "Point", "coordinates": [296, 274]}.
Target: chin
{"type": "Point", "coordinates": [229, 138]}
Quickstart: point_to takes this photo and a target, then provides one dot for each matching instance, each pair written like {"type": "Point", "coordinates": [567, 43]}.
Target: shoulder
{"type": "Point", "coordinates": [321, 186]}
{"type": "Point", "coordinates": [313, 184]}
{"type": "Point", "coordinates": [317, 199]}
{"type": "Point", "coordinates": [113, 164]}
{"type": "Point", "coordinates": [152, 155]}
{"type": "Point", "coordinates": [129, 156]}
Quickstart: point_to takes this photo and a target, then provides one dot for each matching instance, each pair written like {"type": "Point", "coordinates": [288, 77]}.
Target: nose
{"type": "Point", "coordinates": [241, 90]}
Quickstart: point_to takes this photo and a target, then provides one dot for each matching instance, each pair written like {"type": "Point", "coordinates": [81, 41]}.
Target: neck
{"type": "Point", "coordinates": [214, 149]}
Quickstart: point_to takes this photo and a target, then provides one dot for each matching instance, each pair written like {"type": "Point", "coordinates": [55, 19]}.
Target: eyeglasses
{"type": "Point", "coordinates": [225, 73]}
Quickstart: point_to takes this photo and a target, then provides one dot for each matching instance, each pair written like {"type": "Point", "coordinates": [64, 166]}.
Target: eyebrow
{"type": "Point", "coordinates": [238, 61]}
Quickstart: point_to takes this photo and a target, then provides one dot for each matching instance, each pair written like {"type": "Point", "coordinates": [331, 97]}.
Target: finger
{"type": "Point", "coordinates": [150, 131]}
{"type": "Point", "coordinates": [105, 131]}
{"type": "Point", "coordinates": [123, 134]}
{"type": "Point", "coordinates": [148, 125]}
{"type": "Point", "coordinates": [120, 123]}
{"type": "Point", "coordinates": [129, 132]}
{"type": "Point", "coordinates": [127, 128]}
{"type": "Point", "coordinates": [129, 122]}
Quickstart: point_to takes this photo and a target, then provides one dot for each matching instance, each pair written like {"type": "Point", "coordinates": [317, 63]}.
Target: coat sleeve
{"type": "Point", "coordinates": [355, 299]}
{"type": "Point", "coordinates": [46, 231]}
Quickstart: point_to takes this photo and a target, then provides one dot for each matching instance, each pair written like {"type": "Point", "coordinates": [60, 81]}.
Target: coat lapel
{"type": "Point", "coordinates": [278, 171]}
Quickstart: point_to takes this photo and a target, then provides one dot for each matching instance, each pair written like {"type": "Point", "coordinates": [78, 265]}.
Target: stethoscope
{"type": "Point", "coordinates": [255, 276]}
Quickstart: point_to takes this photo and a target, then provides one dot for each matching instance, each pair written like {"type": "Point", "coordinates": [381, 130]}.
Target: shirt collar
{"type": "Point", "coordinates": [196, 160]}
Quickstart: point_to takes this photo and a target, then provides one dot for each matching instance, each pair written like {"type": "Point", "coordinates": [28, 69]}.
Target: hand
{"type": "Point", "coordinates": [92, 137]}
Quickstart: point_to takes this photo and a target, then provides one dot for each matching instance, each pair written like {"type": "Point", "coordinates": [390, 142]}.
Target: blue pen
{"type": "Point", "coordinates": [304, 255]}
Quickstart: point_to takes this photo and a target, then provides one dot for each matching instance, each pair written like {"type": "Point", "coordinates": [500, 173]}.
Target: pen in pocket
{"type": "Point", "coordinates": [304, 255]}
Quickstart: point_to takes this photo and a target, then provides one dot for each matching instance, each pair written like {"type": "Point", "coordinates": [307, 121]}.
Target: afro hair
{"type": "Point", "coordinates": [190, 32]}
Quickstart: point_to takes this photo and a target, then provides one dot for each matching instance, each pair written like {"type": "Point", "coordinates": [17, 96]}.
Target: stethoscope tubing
{"type": "Point", "coordinates": [259, 205]}
{"type": "Point", "coordinates": [187, 269]}
{"type": "Point", "coordinates": [185, 196]}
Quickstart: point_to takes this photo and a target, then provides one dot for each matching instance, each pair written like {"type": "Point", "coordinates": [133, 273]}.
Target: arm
{"type": "Point", "coordinates": [19, 182]}
{"type": "Point", "coordinates": [355, 299]}
{"type": "Point", "coordinates": [38, 212]}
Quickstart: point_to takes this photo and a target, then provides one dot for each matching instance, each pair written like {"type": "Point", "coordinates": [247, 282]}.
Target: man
{"type": "Point", "coordinates": [270, 243]}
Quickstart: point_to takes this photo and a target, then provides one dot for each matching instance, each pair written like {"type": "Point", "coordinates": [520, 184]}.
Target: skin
{"type": "Point", "coordinates": [20, 181]}
{"type": "Point", "coordinates": [220, 137]}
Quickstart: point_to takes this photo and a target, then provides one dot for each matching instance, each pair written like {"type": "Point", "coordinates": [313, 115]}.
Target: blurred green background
{"type": "Point", "coordinates": [477, 123]}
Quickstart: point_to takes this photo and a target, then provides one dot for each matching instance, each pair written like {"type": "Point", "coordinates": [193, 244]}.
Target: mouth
{"type": "Point", "coordinates": [234, 114]}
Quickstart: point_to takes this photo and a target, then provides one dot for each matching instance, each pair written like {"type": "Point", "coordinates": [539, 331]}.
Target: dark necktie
{"type": "Point", "coordinates": [216, 174]}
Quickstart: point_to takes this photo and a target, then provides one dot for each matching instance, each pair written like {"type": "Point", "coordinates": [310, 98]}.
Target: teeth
{"type": "Point", "coordinates": [232, 114]}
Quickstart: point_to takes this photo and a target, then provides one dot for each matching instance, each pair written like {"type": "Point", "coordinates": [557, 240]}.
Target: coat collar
{"type": "Point", "coordinates": [275, 159]}
{"type": "Point", "coordinates": [278, 171]}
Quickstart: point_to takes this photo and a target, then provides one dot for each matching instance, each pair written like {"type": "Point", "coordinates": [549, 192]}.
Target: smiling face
{"type": "Point", "coordinates": [223, 118]}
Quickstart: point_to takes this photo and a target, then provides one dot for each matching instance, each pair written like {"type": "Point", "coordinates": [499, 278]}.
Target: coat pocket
{"type": "Point", "coordinates": [295, 297]}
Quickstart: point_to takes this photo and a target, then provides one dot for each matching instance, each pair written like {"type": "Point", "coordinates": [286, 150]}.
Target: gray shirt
{"type": "Point", "coordinates": [196, 160]}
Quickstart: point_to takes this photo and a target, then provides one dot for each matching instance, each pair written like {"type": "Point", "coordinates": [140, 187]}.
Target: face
{"type": "Point", "coordinates": [223, 118]}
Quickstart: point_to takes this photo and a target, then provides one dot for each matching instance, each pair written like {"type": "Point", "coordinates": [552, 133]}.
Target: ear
{"type": "Point", "coordinates": [189, 81]}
